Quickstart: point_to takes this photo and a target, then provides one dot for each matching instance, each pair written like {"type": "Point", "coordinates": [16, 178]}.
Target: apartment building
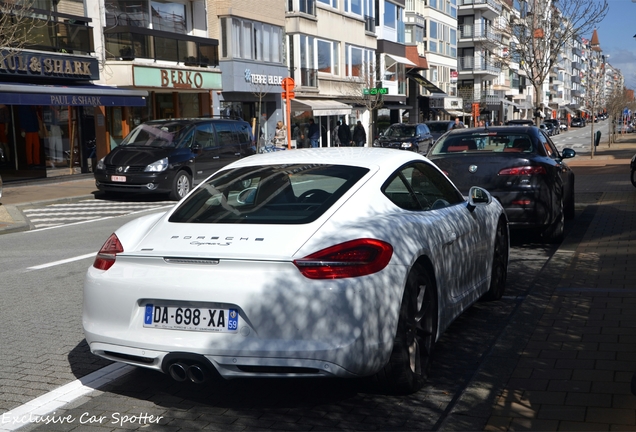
{"type": "Point", "coordinates": [432, 27]}
{"type": "Point", "coordinates": [251, 60]}
{"type": "Point", "coordinates": [331, 48]}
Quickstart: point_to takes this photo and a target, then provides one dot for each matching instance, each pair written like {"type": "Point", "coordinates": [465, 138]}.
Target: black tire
{"type": "Point", "coordinates": [181, 185]}
{"type": "Point", "coordinates": [633, 178]}
{"type": "Point", "coordinates": [554, 232]}
{"type": "Point", "coordinates": [499, 272]}
{"type": "Point", "coordinates": [408, 365]}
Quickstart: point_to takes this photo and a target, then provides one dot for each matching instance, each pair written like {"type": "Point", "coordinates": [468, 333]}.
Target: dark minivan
{"type": "Point", "coordinates": [165, 156]}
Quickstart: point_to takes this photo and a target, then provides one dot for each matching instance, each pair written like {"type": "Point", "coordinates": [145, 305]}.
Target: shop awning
{"type": "Point", "coordinates": [569, 110]}
{"type": "Point", "coordinates": [458, 113]}
{"type": "Point", "coordinates": [321, 107]}
{"type": "Point", "coordinates": [398, 59]}
{"type": "Point", "coordinates": [84, 95]}
{"type": "Point", "coordinates": [424, 82]}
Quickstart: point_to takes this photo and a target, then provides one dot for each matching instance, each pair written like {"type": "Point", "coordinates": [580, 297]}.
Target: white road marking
{"type": "Point", "coordinates": [64, 261]}
{"type": "Point", "coordinates": [46, 404]}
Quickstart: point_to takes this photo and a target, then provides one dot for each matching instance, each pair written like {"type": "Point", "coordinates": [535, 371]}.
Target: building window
{"type": "Point", "coordinates": [327, 57]}
{"type": "Point", "coordinates": [358, 61]}
{"type": "Point", "coordinates": [353, 6]}
{"type": "Point", "coordinates": [169, 16]}
{"type": "Point", "coordinates": [390, 15]}
{"type": "Point", "coordinates": [252, 40]}
{"type": "Point", "coordinates": [332, 3]}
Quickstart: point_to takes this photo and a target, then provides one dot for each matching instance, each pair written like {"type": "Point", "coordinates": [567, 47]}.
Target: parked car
{"type": "Point", "coordinates": [555, 124]}
{"type": "Point", "coordinates": [439, 127]}
{"type": "Point", "coordinates": [547, 128]}
{"type": "Point", "coordinates": [332, 262]}
{"type": "Point", "coordinates": [166, 156]}
{"type": "Point", "coordinates": [577, 122]}
{"type": "Point", "coordinates": [624, 128]}
{"type": "Point", "coordinates": [518, 165]}
{"type": "Point", "coordinates": [405, 136]}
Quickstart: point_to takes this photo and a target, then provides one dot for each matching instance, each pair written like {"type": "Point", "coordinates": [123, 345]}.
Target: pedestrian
{"type": "Point", "coordinates": [458, 124]}
{"type": "Point", "coordinates": [335, 139]}
{"type": "Point", "coordinates": [280, 136]}
{"type": "Point", "coordinates": [344, 133]}
{"type": "Point", "coordinates": [313, 134]}
{"type": "Point", "coordinates": [359, 135]}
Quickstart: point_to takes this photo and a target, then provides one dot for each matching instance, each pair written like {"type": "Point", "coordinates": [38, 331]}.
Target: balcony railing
{"type": "Point", "coordinates": [478, 31]}
{"type": "Point", "coordinates": [477, 65]}
{"type": "Point", "coordinates": [495, 6]}
{"type": "Point", "coordinates": [576, 79]}
{"type": "Point", "coordinates": [129, 43]}
{"type": "Point", "coordinates": [308, 77]}
{"type": "Point", "coordinates": [369, 23]}
{"type": "Point", "coordinates": [59, 34]}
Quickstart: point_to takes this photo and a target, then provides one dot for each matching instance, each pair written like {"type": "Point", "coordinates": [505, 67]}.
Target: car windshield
{"type": "Point", "coordinates": [271, 194]}
{"type": "Point", "coordinates": [485, 142]}
{"type": "Point", "coordinates": [164, 134]}
{"type": "Point", "coordinates": [438, 127]}
{"type": "Point", "coordinates": [400, 131]}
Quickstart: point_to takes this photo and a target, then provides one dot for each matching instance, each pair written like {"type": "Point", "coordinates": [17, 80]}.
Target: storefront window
{"type": "Point", "coordinates": [189, 105]}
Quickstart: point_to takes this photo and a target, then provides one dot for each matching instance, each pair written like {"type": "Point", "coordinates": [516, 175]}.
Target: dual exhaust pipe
{"type": "Point", "coordinates": [195, 372]}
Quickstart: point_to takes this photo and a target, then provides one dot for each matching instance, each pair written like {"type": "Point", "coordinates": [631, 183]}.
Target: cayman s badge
{"type": "Point", "coordinates": [472, 169]}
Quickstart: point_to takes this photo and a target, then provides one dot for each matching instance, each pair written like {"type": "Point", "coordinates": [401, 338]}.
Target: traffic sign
{"type": "Point", "coordinates": [375, 91]}
{"type": "Point", "coordinates": [288, 85]}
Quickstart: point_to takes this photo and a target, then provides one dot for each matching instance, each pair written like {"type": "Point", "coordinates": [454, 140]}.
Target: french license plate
{"type": "Point", "coordinates": [186, 318]}
{"type": "Point", "coordinates": [118, 178]}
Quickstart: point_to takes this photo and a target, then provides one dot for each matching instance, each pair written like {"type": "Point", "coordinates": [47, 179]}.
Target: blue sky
{"type": "Point", "coordinates": [616, 36]}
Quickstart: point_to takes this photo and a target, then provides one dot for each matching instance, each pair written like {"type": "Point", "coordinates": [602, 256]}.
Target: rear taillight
{"type": "Point", "coordinates": [108, 253]}
{"type": "Point", "coordinates": [354, 258]}
{"type": "Point", "coordinates": [523, 171]}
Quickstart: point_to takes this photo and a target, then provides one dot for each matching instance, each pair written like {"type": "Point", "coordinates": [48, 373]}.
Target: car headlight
{"type": "Point", "coordinates": [158, 166]}
{"type": "Point", "coordinates": [101, 165]}
{"type": "Point", "coordinates": [407, 145]}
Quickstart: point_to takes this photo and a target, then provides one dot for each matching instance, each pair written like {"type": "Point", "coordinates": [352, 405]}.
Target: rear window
{"type": "Point", "coordinates": [400, 131]}
{"type": "Point", "coordinates": [438, 127]}
{"type": "Point", "coordinates": [272, 194]}
{"type": "Point", "coordinates": [486, 142]}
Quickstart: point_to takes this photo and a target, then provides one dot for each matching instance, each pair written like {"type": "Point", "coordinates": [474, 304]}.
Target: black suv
{"type": "Point", "coordinates": [556, 125]}
{"type": "Point", "coordinates": [405, 136]}
{"type": "Point", "coordinates": [165, 156]}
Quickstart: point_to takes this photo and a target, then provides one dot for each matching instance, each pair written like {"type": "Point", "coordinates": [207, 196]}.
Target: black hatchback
{"type": "Point", "coordinates": [520, 166]}
{"type": "Point", "coordinates": [166, 156]}
{"type": "Point", "coordinates": [405, 136]}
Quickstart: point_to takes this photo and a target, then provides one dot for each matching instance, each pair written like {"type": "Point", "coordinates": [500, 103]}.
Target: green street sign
{"type": "Point", "coordinates": [375, 91]}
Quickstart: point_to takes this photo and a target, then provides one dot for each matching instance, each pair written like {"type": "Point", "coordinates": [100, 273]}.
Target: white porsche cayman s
{"type": "Point", "coordinates": [342, 262]}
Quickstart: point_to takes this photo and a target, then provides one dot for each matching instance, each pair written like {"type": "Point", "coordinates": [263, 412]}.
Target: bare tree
{"type": "Point", "coordinates": [260, 89]}
{"type": "Point", "coordinates": [616, 103]}
{"type": "Point", "coordinates": [540, 33]}
{"type": "Point", "coordinates": [17, 21]}
{"type": "Point", "coordinates": [362, 90]}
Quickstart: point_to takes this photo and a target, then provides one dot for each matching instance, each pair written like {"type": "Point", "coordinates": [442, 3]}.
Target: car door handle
{"type": "Point", "coordinates": [451, 238]}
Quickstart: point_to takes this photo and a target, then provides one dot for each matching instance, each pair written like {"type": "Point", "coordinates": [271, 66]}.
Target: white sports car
{"type": "Point", "coordinates": [343, 262]}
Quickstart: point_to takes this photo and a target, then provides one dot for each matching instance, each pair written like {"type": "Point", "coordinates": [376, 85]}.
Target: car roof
{"type": "Point", "coordinates": [193, 120]}
{"type": "Point", "coordinates": [367, 157]}
{"type": "Point", "coordinates": [499, 129]}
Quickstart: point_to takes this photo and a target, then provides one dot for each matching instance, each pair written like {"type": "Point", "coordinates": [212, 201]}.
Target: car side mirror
{"type": "Point", "coordinates": [478, 197]}
{"type": "Point", "coordinates": [568, 153]}
{"type": "Point", "coordinates": [196, 148]}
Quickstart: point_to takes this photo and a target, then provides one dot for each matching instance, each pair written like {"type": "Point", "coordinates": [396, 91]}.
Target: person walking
{"type": "Point", "coordinates": [314, 134]}
{"type": "Point", "coordinates": [335, 139]}
{"type": "Point", "coordinates": [458, 124]}
{"type": "Point", "coordinates": [359, 135]}
{"type": "Point", "coordinates": [280, 136]}
{"type": "Point", "coordinates": [344, 133]}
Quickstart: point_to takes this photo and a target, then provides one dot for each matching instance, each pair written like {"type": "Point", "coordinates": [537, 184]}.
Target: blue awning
{"type": "Point", "coordinates": [84, 95]}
